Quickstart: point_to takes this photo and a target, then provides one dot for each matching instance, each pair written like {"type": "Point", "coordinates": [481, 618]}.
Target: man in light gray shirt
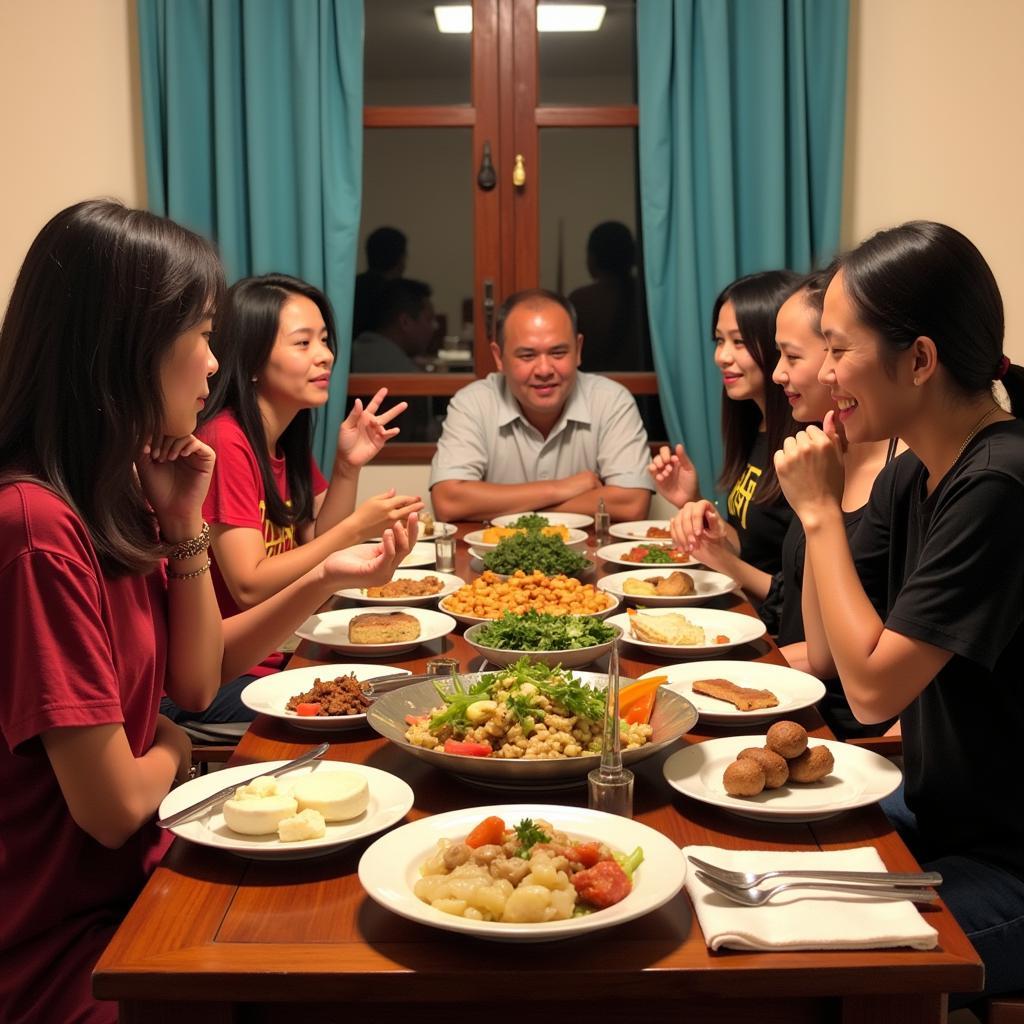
{"type": "Point", "coordinates": [539, 434]}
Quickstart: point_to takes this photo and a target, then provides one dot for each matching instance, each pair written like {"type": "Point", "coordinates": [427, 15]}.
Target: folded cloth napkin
{"type": "Point", "coordinates": [803, 918]}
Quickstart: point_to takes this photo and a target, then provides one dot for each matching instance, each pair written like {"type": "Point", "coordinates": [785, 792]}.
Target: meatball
{"type": "Point", "coordinates": [787, 738]}
{"type": "Point", "coordinates": [813, 764]}
{"type": "Point", "coordinates": [744, 778]}
{"type": "Point", "coordinates": [774, 766]}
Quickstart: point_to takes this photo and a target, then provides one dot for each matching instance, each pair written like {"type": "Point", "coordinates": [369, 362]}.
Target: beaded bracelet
{"type": "Point", "coordinates": [193, 546]}
{"type": "Point", "coordinates": [189, 575]}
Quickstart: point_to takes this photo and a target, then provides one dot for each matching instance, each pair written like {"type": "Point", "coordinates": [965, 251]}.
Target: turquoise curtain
{"type": "Point", "coordinates": [253, 124]}
{"type": "Point", "coordinates": [742, 107]}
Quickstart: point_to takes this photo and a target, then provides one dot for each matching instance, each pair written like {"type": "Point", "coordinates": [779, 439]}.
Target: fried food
{"type": "Point", "coordinates": [665, 628]}
{"type": "Point", "coordinates": [774, 766]}
{"type": "Point", "coordinates": [639, 588]}
{"type": "Point", "coordinates": [744, 778]}
{"type": "Point", "coordinates": [743, 697]}
{"type": "Point", "coordinates": [812, 765]}
{"type": "Point", "coordinates": [383, 628]}
{"type": "Point", "coordinates": [426, 524]}
{"type": "Point", "coordinates": [489, 596]}
{"type": "Point", "coordinates": [787, 738]}
{"type": "Point", "coordinates": [407, 588]}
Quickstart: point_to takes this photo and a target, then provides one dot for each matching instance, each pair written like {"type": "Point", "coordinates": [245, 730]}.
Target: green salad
{"type": "Point", "coordinates": [539, 631]}
{"type": "Point", "coordinates": [531, 521]}
{"type": "Point", "coordinates": [533, 550]}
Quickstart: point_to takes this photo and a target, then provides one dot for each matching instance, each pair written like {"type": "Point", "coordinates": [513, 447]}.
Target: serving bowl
{"type": "Point", "coordinates": [577, 540]}
{"type": "Point", "coordinates": [574, 520]}
{"type": "Point", "coordinates": [573, 658]}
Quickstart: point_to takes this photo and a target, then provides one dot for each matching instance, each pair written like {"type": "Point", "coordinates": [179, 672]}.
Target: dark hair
{"type": "Point", "coordinates": [102, 296]}
{"type": "Point", "coordinates": [756, 299]}
{"type": "Point", "coordinates": [385, 248]}
{"type": "Point", "coordinates": [398, 296]}
{"type": "Point", "coordinates": [245, 331]}
{"type": "Point", "coordinates": [924, 279]}
{"type": "Point", "coordinates": [534, 297]}
{"type": "Point", "coordinates": [813, 287]}
{"type": "Point", "coordinates": [611, 248]}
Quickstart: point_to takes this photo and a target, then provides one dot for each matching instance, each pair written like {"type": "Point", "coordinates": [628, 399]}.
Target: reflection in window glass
{"type": "Point", "coordinates": [407, 62]}
{"type": "Point", "coordinates": [421, 422]}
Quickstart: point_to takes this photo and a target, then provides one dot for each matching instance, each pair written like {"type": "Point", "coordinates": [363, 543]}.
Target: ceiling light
{"type": "Point", "coordinates": [454, 18]}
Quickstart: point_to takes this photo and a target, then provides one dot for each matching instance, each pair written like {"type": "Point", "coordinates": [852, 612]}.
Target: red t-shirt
{"type": "Point", "coordinates": [80, 649]}
{"type": "Point", "coordinates": [237, 497]}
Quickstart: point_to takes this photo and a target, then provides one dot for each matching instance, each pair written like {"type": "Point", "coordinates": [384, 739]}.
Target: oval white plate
{"type": "Point", "coordinates": [740, 629]}
{"type": "Point", "coordinates": [472, 620]}
{"type": "Point", "coordinates": [574, 520]}
{"type": "Point", "coordinates": [390, 867]}
{"type": "Point", "coordinates": [637, 530]}
{"type": "Point", "coordinates": [706, 585]}
{"type": "Point", "coordinates": [795, 690]}
{"type": "Point", "coordinates": [390, 800]}
{"type": "Point", "coordinates": [614, 552]}
{"type": "Point", "coordinates": [450, 582]}
{"type": "Point", "coordinates": [440, 530]}
{"type": "Point", "coordinates": [269, 695]}
{"type": "Point", "coordinates": [577, 541]}
{"type": "Point", "coordinates": [331, 629]}
{"type": "Point", "coordinates": [860, 777]}
{"type": "Point", "coordinates": [422, 553]}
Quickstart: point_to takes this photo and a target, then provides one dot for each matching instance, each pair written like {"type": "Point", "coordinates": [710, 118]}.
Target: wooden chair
{"type": "Point", "coordinates": [1005, 1009]}
{"type": "Point", "coordinates": [213, 743]}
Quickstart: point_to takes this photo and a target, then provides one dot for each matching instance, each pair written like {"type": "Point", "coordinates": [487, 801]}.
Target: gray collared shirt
{"type": "Point", "coordinates": [487, 437]}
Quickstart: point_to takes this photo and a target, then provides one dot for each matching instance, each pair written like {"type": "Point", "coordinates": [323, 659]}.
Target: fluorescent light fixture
{"type": "Point", "coordinates": [569, 17]}
{"type": "Point", "coordinates": [550, 17]}
{"type": "Point", "coordinates": [454, 18]}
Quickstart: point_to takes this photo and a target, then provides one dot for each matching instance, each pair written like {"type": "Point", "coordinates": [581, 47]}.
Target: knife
{"type": "Point", "coordinates": [228, 791]}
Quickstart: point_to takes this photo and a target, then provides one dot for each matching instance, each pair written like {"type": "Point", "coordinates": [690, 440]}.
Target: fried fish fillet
{"type": "Point", "coordinates": [743, 697]}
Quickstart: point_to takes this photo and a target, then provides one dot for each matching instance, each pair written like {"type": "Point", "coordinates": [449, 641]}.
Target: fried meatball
{"type": "Point", "coordinates": [774, 766]}
{"type": "Point", "coordinates": [744, 778]}
{"type": "Point", "coordinates": [813, 764]}
{"type": "Point", "coordinates": [787, 738]}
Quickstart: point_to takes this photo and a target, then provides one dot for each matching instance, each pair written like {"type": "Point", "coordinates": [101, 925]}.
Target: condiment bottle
{"type": "Point", "coordinates": [602, 522]}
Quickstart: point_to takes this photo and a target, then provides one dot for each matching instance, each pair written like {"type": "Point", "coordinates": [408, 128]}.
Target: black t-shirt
{"type": "Point", "coordinates": [761, 527]}
{"type": "Point", "coordinates": [952, 567]}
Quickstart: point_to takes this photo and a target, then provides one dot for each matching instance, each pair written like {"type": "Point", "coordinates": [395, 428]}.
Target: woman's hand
{"type": "Point", "coordinates": [175, 473]}
{"type": "Point", "coordinates": [376, 514]}
{"type": "Point", "coordinates": [372, 565]}
{"type": "Point", "coordinates": [698, 523]}
{"type": "Point", "coordinates": [810, 469]}
{"type": "Point", "coordinates": [675, 476]}
{"type": "Point", "coordinates": [363, 433]}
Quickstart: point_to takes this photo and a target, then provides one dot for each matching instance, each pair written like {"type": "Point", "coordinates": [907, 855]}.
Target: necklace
{"type": "Point", "coordinates": [974, 430]}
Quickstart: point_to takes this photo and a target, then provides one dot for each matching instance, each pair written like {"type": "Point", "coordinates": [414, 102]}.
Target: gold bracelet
{"type": "Point", "coordinates": [193, 546]}
{"type": "Point", "coordinates": [189, 575]}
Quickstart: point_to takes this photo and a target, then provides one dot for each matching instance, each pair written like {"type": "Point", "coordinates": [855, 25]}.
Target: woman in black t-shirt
{"type": "Point", "coordinates": [914, 327]}
{"type": "Point", "coordinates": [755, 419]}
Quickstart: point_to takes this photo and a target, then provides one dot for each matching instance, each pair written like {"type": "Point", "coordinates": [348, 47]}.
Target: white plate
{"type": "Point", "coordinates": [422, 553]}
{"type": "Point", "coordinates": [390, 867]}
{"type": "Point", "coordinates": [269, 695]}
{"type": "Point", "coordinates": [795, 690]}
{"type": "Point", "coordinates": [331, 629]}
{"type": "Point", "coordinates": [574, 520]}
{"type": "Point", "coordinates": [450, 581]}
{"type": "Point", "coordinates": [637, 530]}
{"type": "Point", "coordinates": [575, 657]}
{"type": "Point", "coordinates": [390, 800]}
{"type": "Point", "coordinates": [472, 620]}
{"type": "Point", "coordinates": [706, 585]}
{"type": "Point", "coordinates": [614, 552]}
{"type": "Point", "coordinates": [740, 629]}
{"type": "Point", "coordinates": [440, 530]}
{"type": "Point", "coordinates": [860, 777]}
{"type": "Point", "coordinates": [577, 541]}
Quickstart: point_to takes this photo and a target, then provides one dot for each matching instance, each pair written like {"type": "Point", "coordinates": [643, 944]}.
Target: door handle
{"type": "Point", "coordinates": [519, 172]}
{"type": "Point", "coordinates": [486, 178]}
{"type": "Point", "coordinates": [489, 308]}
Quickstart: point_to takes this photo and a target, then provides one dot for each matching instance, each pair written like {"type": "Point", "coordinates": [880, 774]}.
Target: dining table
{"type": "Point", "coordinates": [215, 937]}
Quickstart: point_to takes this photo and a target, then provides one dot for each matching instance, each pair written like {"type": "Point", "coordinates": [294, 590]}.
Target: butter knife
{"type": "Point", "coordinates": [197, 808]}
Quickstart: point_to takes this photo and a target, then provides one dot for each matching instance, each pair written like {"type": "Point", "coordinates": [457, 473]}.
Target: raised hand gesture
{"type": "Point", "coordinates": [372, 565]}
{"type": "Point", "coordinates": [675, 476]}
{"type": "Point", "coordinates": [363, 432]}
{"type": "Point", "coordinates": [384, 510]}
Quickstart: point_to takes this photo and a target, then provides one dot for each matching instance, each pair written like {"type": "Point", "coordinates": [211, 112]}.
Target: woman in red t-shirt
{"type": "Point", "coordinates": [272, 514]}
{"type": "Point", "coordinates": [104, 354]}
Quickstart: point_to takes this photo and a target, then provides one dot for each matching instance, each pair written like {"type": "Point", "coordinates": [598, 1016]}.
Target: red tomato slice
{"type": "Point", "coordinates": [467, 747]}
{"type": "Point", "coordinates": [415, 719]}
{"type": "Point", "coordinates": [307, 710]}
{"type": "Point", "coordinates": [587, 854]}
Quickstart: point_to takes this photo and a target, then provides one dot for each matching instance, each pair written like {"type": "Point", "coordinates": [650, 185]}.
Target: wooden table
{"type": "Point", "coordinates": [215, 938]}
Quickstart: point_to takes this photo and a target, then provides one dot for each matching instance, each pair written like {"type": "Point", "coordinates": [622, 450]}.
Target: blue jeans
{"type": "Point", "coordinates": [227, 706]}
{"type": "Point", "coordinates": [987, 902]}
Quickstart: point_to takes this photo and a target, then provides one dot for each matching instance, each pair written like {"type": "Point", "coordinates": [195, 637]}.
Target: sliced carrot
{"type": "Point", "coordinates": [639, 712]}
{"type": "Point", "coordinates": [489, 832]}
{"type": "Point", "coordinates": [635, 691]}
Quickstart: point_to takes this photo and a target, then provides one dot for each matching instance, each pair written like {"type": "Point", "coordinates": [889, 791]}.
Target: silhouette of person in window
{"type": "Point", "coordinates": [386, 256]}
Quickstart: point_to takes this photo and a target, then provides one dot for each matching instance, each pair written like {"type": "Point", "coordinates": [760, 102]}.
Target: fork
{"type": "Point", "coordinates": [757, 897]}
{"type": "Point", "coordinates": [747, 879]}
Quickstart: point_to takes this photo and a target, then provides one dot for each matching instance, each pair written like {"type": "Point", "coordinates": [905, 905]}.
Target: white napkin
{"type": "Point", "coordinates": [805, 918]}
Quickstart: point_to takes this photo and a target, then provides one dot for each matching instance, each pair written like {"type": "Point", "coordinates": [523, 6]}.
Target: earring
{"type": "Point", "coordinates": [255, 380]}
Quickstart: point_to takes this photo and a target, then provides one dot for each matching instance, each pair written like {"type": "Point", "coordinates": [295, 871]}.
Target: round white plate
{"type": "Point", "coordinates": [450, 582]}
{"type": "Point", "coordinates": [331, 630]}
{"type": "Point", "coordinates": [390, 800]}
{"type": "Point", "coordinates": [637, 530]}
{"type": "Point", "coordinates": [794, 690]}
{"type": "Point", "coordinates": [614, 552]}
{"type": "Point", "coordinates": [269, 695]}
{"type": "Point", "coordinates": [574, 520]}
{"type": "Point", "coordinates": [472, 620]}
{"type": "Point", "coordinates": [390, 867]}
{"type": "Point", "coordinates": [740, 629]}
{"type": "Point", "coordinates": [860, 777]}
{"type": "Point", "coordinates": [422, 554]}
{"type": "Point", "coordinates": [577, 541]}
{"type": "Point", "coordinates": [440, 530]}
{"type": "Point", "coordinates": [706, 585]}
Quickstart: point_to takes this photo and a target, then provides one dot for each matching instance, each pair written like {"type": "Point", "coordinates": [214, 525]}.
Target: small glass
{"type": "Point", "coordinates": [444, 554]}
{"type": "Point", "coordinates": [602, 523]}
{"type": "Point", "coordinates": [442, 666]}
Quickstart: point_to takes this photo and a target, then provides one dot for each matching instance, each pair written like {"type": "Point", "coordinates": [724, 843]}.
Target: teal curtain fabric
{"type": "Point", "coordinates": [742, 106]}
{"type": "Point", "coordinates": [253, 123]}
